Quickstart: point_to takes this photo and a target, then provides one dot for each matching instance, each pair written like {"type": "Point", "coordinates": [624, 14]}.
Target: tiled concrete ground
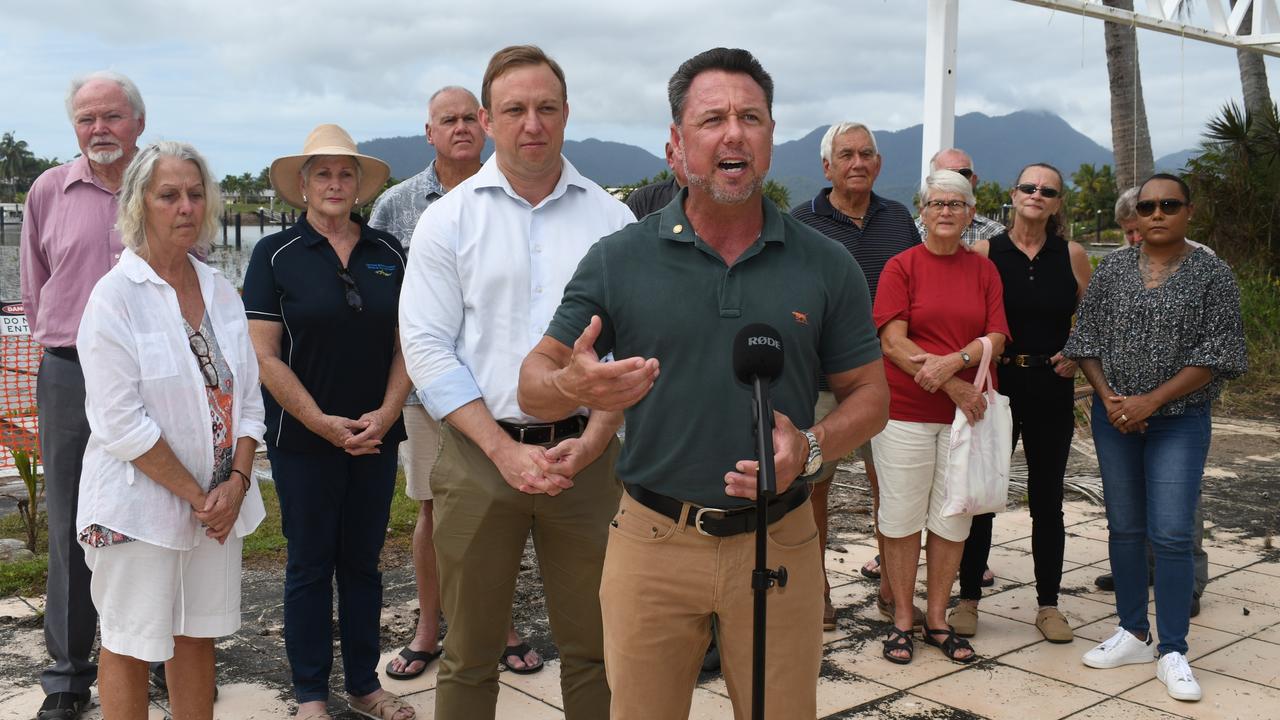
{"type": "Point", "coordinates": [1235, 642]}
{"type": "Point", "coordinates": [1235, 650]}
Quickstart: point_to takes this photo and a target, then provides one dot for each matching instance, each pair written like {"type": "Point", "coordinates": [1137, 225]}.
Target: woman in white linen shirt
{"type": "Point", "coordinates": [175, 414]}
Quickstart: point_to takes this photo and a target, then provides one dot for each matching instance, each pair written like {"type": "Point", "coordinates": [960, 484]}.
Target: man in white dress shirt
{"type": "Point", "coordinates": [491, 260]}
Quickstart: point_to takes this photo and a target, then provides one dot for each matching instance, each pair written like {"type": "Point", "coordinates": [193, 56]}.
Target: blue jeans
{"type": "Point", "coordinates": [334, 510]}
{"type": "Point", "coordinates": [1151, 484]}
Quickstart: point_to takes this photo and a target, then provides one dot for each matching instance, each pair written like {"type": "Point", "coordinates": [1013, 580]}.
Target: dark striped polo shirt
{"type": "Point", "coordinates": [887, 230]}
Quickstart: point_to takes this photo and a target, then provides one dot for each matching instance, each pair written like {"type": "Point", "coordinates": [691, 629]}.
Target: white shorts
{"type": "Point", "coordinates": [419, 452]}
{"type": "Point", "coordinates": [146, 594]}
{"type": "Point", "coordinates": [911, 460]}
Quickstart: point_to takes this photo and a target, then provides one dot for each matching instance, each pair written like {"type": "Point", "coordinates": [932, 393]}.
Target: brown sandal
{"type": "Point", "coordinates": [384, 708]}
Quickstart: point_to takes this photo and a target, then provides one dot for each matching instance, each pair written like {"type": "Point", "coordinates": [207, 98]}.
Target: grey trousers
{"type": "Point", "coordinates": [70, 620]}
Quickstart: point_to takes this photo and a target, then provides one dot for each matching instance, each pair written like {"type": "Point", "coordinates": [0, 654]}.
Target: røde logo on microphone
{"type": "Point", "coordinates": [774, 343]}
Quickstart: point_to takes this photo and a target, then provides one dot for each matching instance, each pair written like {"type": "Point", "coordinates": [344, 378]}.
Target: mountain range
{"type": "Point", "coordinates": [1000, 147]}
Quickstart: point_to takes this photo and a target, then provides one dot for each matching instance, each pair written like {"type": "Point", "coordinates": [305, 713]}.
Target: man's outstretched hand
{"type": "Point", "coordinates": [599, 385]}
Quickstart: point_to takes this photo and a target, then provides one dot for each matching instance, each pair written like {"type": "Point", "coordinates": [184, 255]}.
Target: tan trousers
{"type": "Point", "coordinates": [481, 525]}
{"type": "Point", "coordinates": [663, 580]}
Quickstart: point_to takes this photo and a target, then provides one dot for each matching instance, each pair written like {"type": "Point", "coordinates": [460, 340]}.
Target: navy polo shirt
{"type": "Point", "coordinates": [342, 357]}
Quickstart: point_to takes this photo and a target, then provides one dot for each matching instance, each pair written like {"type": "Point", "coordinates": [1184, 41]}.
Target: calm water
{"type": "Point", "coordinates": [225, 258]}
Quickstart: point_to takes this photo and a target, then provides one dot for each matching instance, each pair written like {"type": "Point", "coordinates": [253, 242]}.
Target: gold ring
{"type": "Point", "coordinates": [1124, 418]}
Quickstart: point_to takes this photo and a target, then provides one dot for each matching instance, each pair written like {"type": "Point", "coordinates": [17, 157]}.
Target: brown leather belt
{"type": "Point", "coordinates": [545, 433]}
{"type": "Point", "coordinates": [715, 521]}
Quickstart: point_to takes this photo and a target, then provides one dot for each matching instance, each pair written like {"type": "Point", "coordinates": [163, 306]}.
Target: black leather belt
{"type": "Point", "coordinates": [545, 433]}
{"type": "Point", "coordinates": [1026, 361]}
{"type": "Point", "coordinates": [715, 521]}
{"type": "Point", "coordinates": [66, 353]}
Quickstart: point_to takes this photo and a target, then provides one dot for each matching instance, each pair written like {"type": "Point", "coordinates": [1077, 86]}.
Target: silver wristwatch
{"type": "Point", "coordinates": [814, 463]}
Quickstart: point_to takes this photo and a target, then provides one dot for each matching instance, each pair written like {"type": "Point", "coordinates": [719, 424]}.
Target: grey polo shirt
{"type": "Point", "coordinates": [662, 292]}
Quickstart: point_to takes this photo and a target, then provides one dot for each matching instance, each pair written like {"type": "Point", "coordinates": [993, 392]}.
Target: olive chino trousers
{"type": "Point", "coordinates": [481, 526]}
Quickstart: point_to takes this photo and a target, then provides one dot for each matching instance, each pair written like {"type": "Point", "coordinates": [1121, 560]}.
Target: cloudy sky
{"type": "Point", "coordinates": [245, 80]}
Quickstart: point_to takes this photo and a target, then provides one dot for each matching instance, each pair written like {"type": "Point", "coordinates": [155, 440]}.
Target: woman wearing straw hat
{"type": "Point", "coordinates": [321, 299]}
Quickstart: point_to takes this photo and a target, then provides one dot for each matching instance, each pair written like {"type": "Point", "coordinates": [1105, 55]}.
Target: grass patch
{"type": "Point", "coordinates": [267, 544]}
{"type": "Point", "coordinates": [263, 549]}
{"type": "Point", "coordinates": [25, 577]}
{"type": "Point", "coordinates": [1258, 391]}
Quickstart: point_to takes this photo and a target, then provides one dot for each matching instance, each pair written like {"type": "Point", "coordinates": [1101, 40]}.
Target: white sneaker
{"type": "Point", "coordinates": [1120, 649]}
{"type": "Point", "coordinates": [1175, 673]}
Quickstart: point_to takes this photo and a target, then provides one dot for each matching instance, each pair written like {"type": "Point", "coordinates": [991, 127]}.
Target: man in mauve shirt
{"type": "Point", "coordinates": [69, 241]}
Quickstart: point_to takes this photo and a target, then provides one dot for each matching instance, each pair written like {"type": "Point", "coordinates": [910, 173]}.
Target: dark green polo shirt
{"type": "Point", "coordinates": [664, 293]}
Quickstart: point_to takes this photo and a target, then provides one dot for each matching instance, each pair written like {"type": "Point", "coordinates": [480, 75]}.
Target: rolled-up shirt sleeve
{"type": "Point", "coordinates": [431, 317]}
{"type": "Point", "coordinates": [112, 379]}
{"type": "Point", "coordinates": [584, 296]}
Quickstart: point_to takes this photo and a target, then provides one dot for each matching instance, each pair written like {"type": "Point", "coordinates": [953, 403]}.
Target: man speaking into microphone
{"type": "Point", "coordinates": [668, 295]}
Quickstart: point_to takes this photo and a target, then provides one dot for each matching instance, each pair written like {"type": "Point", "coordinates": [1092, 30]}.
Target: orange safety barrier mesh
{"type": "Point", "coordinates": [19, 363]}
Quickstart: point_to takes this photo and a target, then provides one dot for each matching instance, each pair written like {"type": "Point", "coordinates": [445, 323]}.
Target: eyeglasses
{"type": "Point", "coordinates": [953, 205]}
{"type": "Point", "coordinates": [200, 347]}
{"type": "Point", "coordinates": [967, 173]}
{"type": "Point", "coordinates": [1146, 208]}
{"type": "Point", "coordinates": [354, 301]}
{"type": "Point", "coordinates": [1046, 192]}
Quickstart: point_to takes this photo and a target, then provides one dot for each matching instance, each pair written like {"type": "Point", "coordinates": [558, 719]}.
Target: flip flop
{"type": "Point", "coordinates": [871, 574]}
{"type": "Point", "coordinates": [519, 651]}
{"type": "Point", "coordinates": [411, 656]}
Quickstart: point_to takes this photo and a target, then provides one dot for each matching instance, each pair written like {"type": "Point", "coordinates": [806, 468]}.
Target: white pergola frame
{"type": "Point", "coordinates": [942, 21]}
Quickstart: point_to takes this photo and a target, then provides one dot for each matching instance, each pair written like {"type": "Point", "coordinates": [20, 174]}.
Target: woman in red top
{"type": "Point", "coordinates": [933, 303]}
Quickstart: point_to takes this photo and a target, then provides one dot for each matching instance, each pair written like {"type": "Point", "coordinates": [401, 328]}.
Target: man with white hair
{"type": "Point", "coordinates": [957, 160]}
{"type": "Point", "coordinates": [873, 229]}
{"type": "Point", "coordinates": [68, 243]}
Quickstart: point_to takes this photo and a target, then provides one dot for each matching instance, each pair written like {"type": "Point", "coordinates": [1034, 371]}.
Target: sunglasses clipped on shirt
{"type": "Point", "coordinates": [354, 301]}
{"type": "Point", "coordinates": [1147, 208]}
{"type": "Point", "coordinates": [1046, 192]}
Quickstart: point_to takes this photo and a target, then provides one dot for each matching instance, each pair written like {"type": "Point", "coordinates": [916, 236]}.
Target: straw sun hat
{"type": "Point", "coordinates": [327, 139]}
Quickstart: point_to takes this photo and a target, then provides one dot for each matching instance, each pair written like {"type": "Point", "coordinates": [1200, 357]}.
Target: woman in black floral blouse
{"type": "Point", "coordinates": [1157, 334]}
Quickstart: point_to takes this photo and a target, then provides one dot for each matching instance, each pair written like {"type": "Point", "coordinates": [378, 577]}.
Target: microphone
{"type": "Point", "coordinates": [758, 360]}
{"type": "Point", "coordinates": [757, 352]}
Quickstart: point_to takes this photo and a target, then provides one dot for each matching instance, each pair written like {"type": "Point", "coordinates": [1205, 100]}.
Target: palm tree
{"type": "Point", "coordinates": [16, 161]}
{"type": "Point", "coordinates": [1130, 136]}
{"type": "Point", "coordinates": [1253, 72]}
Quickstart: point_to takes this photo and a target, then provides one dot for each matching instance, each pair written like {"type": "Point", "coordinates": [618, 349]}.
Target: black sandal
{"type": "Point", "coordinates": [871, 574]}
{"type": "Point", "coordinates": [951, 645]}
{"type": "Point", "coordinates": [899, 640]}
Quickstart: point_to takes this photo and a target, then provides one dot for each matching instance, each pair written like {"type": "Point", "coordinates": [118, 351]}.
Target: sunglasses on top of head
{"type": "Point", "coordinates": [1147, 208]}
{"type": "Point", "coordinates": [966, 172]}
{"type": "Point", "coordinates": [1046, 192]}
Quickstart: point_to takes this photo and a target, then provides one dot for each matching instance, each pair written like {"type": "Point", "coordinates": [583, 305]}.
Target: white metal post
{"type": "Point", "coordinates": [939, 80]}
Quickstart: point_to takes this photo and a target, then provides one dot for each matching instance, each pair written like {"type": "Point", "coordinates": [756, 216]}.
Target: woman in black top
{"type": "Point", "coordinates": [322, 299]}
{"type": "Point", "coordinates": [1044, 278]}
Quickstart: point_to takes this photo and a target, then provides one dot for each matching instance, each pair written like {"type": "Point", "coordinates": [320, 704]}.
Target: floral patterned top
{"type": "Point", "coordinates": [1144, 336]}
{"type": "Point", "coordinates": [219, 388]}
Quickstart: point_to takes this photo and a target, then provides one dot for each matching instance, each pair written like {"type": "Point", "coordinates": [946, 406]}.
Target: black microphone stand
{"type": "Point", "coordinates": [762, 578]}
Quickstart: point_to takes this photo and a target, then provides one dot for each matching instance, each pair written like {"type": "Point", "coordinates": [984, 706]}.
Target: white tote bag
{"type": "Point", "coordinates": [977, 477]}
